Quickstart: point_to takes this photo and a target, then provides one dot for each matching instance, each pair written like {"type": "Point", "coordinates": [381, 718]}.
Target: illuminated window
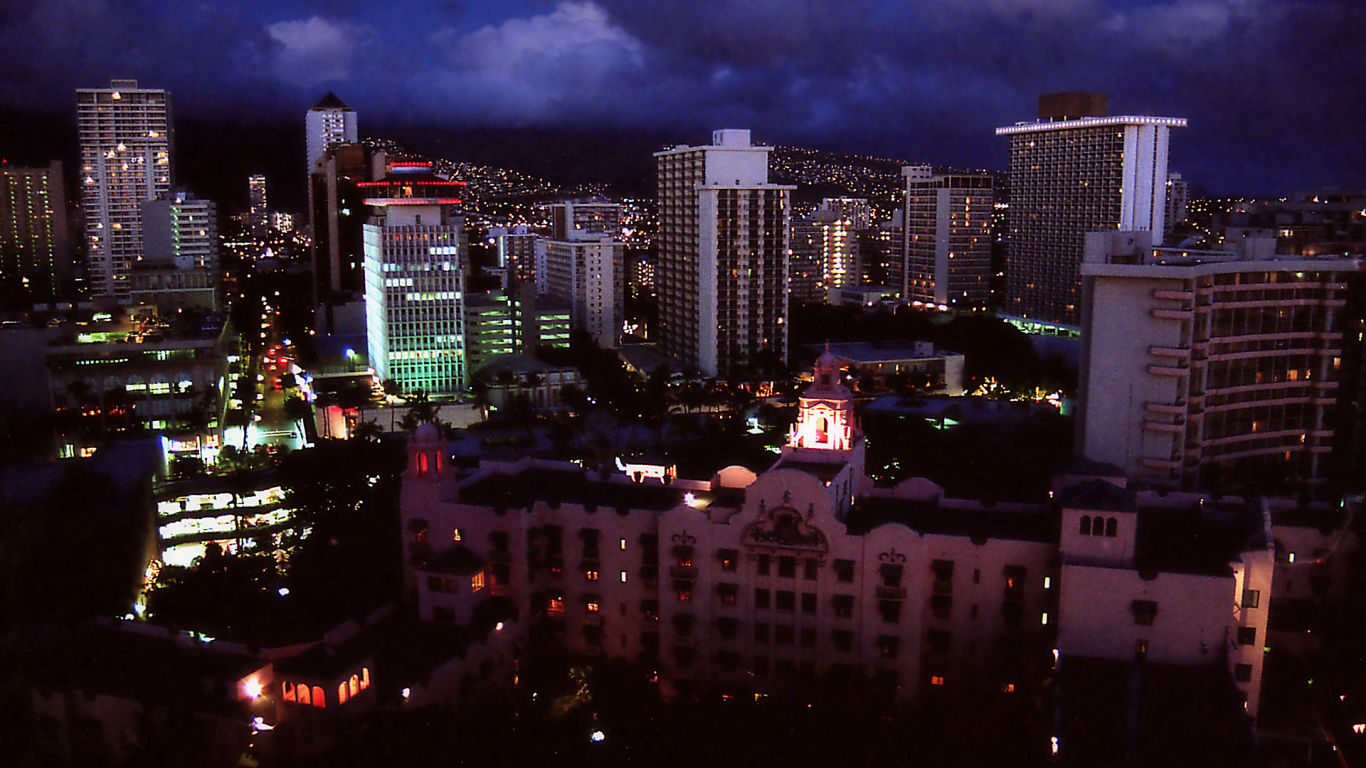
{"type": "Point", "coordinates": [593, 606]}
{"type": "Point", "coordinates": [354, 685]}
{"type": "Point", "coordinates": [456, 535]}
{"type": "Point", "coordinates": [936, 679]}
{"type": "Point", "coordinates": [319, 700]}
{"type": "Point", "coordinates": [477, 582]}
{"type": "Point", "coordinates": [287, 691]}
{"type": "Point", "coordinates": [555, 604]}
{"type": "Point", "coordinates": [622, 575]}
{"type": "Point", "coordinates": [1007, 688]}
{"type": "Point", "coordinates": [341, 693]}
{"type": "Point", "coordinates": [364, 678]}
{"type": "Point", "coordinates": [303, 695]}
{"type": "Point", "coordinates": [591, 575]}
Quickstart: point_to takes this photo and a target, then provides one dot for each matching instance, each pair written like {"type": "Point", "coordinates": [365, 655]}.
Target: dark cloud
{"type": "Point", "coordinates": [1270, 86]}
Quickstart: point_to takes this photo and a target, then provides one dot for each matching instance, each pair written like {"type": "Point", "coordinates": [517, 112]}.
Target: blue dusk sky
{"type": "Point", "coordinates": [1273, 89]}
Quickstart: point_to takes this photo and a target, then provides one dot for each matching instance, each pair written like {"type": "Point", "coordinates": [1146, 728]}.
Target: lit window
{"type": "Point", "coordinates": [456, 535]}
{"type": "Point", "coordinates": [623, 577]}
{"type": "Point", "coordinates": [1043, 619]}
{"type": "Point", "coordinates": [593, 606]}
{"type": "Point", "coordinates": [936, 679]}
{"type": "Point", "coordinates": [477, 582]}
{"type": "Point", "coordinates": [591, 575]}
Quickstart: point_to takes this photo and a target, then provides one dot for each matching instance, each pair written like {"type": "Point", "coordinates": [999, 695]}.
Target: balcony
{"type": "Point", "coordinates": [1177, 352]}
{"type": "Point", "coordinates": [1170, 295]}
{"type": "Point", "coordinates": [1171, 314]}
{"type": "Point", "coordinates": [1168, 370]}
{"type": "Point", "coordinates": [1168, 409]}
{"type": "Point", "coordinates": [1170, 429]}
{"type": "Point", "coordinates": [1162, 463]}
{"type": "Point", "coordinates": [885, 592]}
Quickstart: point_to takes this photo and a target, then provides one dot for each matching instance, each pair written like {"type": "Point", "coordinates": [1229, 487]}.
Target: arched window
{"type": "Point", "coordinates": [341, 693]}
{"type": "Point", "coordinates": [318, 699]}
{"type": "Point", "coordinates": [287, 691]}
{"type": "Point", "coordinates": [1111, 527]}
{"type": "Point", "coordinates": [364, 678]}
{"type": "Point", "coordinates": [303, 695]}
{"type": "Point", "coordinates": [422, 464]}
{"type": "Point", "coordinates": [1085, 525]}
{"type": "Point", "coordinates": [355, 685]}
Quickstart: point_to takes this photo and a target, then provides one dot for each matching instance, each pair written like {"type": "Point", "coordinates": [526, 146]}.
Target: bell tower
{"type": "Point", "coordinates": [825, 417]}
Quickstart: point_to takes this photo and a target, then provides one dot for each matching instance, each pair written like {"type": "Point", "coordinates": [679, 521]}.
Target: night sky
{"type": "Point", "coordinates": [1273, 89]}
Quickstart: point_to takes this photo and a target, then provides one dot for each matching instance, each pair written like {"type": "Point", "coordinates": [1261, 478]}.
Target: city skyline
{"type": "Point", "coordinates": [1265, 84]}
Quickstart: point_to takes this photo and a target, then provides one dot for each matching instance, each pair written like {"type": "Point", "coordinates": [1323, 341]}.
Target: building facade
{"type": "Point", "coordinates": [722, 243]}
{"type": "Point", "coordinates": [1072, 171]}
{"type": "Point", "coordinates": [414, 284]}
{"type": "Point", "coordinates": [326, 124]}
{"type": "Point", "coordinates": [947, 248]}
{"type": "Point", "coordinates": [125, 139]}
{"type": "Point", "coordinates": [1211, 369]}
{"type": "Point", "coordinates": [585, 268]}
{"type": "Point", "coordinates": [337, 212]}
{"type": "Point", "coordinates": [258, 212]}
{"type": "Point", "coordinates": [516, 253]}
{"type": "Point", "coordinates": [181, 229]}
{"type": "Point", "coordinates": [35, 247]}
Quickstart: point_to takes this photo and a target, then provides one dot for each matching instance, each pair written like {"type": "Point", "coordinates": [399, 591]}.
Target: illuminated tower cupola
{"type": "Point", "coordinates": [825, 418]}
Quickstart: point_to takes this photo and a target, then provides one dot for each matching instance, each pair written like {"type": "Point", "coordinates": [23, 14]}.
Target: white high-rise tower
{"type": "Point", "coordinates": [1076, 170]}
{"type": "Point", "coordinates": [329, 123]}
{"type": "Point", "coordinates": [722, 272]}
{"type": "Point", "coordinates": [125, 138]}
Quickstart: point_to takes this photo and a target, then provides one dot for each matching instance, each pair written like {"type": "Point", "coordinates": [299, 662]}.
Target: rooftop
{"type": "Point", "coordinates": [1202, 539]}
{"type": "Point", "coordinates": [556, 486]}
{"type": "Point", "coordinates": [928, 517]}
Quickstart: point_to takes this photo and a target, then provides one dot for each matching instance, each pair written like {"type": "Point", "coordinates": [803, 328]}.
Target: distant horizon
{"type": "Point", "coordinates": [1269, 87]}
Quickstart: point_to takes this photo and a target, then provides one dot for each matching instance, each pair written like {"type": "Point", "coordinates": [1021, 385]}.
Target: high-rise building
{"type": "Point", "coordinates": [258, 216]}
{"type": "Point", "coordinates": [181, 229]}
{"type": "Point", "coordinates": [515, 249]}
{"type": "Point", "coordinates": [947, 237]}
{"type": "Point", "coordinates": [1211, 369]}
{"type": "Point", "coordinates": [35, 250]}
{"type": "Point", "coordinates": [1076, 170]}
{"type": "Point", "coordinates": [586, 269]}
{"type": "Point", "coordinates": [805, 264]}
{"type": "Point", "coordinates": [1178, 200]}
{"type": "Point", "coordinates": [722, 242]}
{"type": "Point", "coordinates": [577, 219]}
{"type": "Point", "coordinates": [328, 123]}
{"type": "Point", "coordinates": [838, 240]}
{"type": "Point", "coordinates": [855, 210]}
{"type": "Point", "coordinates": [125, 138]}
{"type": "Point", "coordinates": [337, 212]}
{"type": "Point", "coordinates": [414, 284]}
{"type": "Point", "coordinates": [880, 253]}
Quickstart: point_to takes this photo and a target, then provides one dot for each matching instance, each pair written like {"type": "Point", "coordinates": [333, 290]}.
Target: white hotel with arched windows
{"type": "Point", "coordinates": [751, 583]}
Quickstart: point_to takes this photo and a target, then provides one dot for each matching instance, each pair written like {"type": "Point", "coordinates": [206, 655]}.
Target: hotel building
{"type": "Point", "coordinates": [328, 123]}
{"type": "Point", "coordinates": [947, 248]}
{"type": "Point", "coordinates": [1076, 170]}
{"type": "Point", "coordinates": [125, 138]}
{"type": "Point", "coordinates": [414, 284]}
{"type": "Point", "coordinates": [35, 247]}
{"type": "Point", "coordinates": [582, 264]}
{"type": "Point", "coordinates": [1211, 369]}
{"type": "Point", "coordinates": [722, 242]}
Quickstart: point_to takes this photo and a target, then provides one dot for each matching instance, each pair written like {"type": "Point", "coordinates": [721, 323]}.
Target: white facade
{"type": "Point", "coordinates": [1212, 368]}
{"type": "Point", "coordinates": [1123, 598]}
{"type": "Point", "coordinates": [589, 276]}
{"type": "Point", "coordinates": [1070, 177]}
{"type": "Point", "coordinates": [328, 123]}
{"type": "Point", "coordinates": [414, 295]}
{"type": "Point", "coordinates": [722, 272]}
{"type": "Point", "coordinates": [125, 138]}
{"type": "Point", "coordinates": [181, 229]}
